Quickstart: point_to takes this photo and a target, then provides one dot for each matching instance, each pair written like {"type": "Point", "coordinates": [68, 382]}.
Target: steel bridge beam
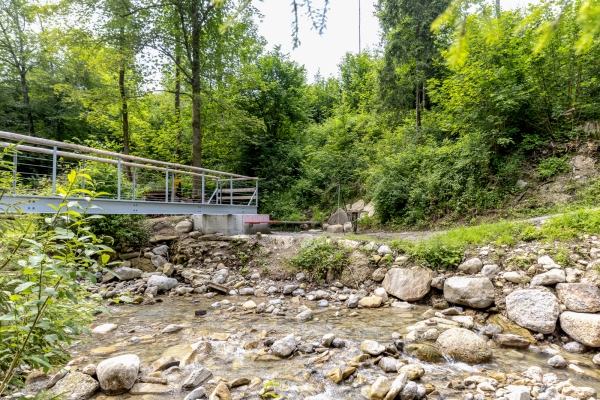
{"type": "Point", "coordinates": [41, 205]}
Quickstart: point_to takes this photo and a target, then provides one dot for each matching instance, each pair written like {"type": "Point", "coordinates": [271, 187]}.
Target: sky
{"type": "Point", "coordinates": [324, 52]}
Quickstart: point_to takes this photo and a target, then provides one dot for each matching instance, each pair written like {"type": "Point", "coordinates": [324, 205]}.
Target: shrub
{"type": "Point", "coordinates": [552, 166]}
{"type": "Point", "coordinates": [42, 304]}
{"type": "Point", "coordinates": [129, 230]}
{"type": "Point", "coordinates": [319, 257]}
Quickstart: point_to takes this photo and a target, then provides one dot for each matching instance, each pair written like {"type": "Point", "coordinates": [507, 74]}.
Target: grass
{"type": "Point", "coordinates": [318, 257]}
{"type": "Point", "coordinates": [446, 250]}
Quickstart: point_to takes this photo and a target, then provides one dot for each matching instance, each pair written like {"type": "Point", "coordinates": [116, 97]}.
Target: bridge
{"type": "Point", "coordinates": [134, 185]}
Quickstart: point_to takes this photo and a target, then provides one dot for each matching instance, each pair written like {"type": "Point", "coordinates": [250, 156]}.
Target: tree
{"type": "Point", "coordinates": [410, 51]}
{"type": "Point", "coordinates": [189, 33]}
{"type": "Point", "coordinates": [18, 46]}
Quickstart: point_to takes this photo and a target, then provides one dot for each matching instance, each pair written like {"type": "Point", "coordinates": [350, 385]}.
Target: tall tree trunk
{"type": "Point", "coordinates": [178, 102]}
{"type": "Point", "coordinates": [196, 87]}
{"type": "Point", "coordinates": [25, 93]}
{"type": "Point", "coordinates": [498, 9]}
{"type": "Point", "coordinates": [125, 114]}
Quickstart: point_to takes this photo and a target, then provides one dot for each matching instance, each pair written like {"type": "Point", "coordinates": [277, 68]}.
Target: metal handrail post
{"type": "Point", "coordinates": [167, 185]}
{"type": "Point", "coordinates": [54, 150]}
{"type": "Point", "coordinates": [119, 178]}
{"type": "Point", "coordinates": [257, 193]}
{"type": "Point", "coordinates": [133, 183]}
{"type": "Point", "coordinates": [231, 191]}
{"type": "Point", "coordinates": [202, 188]}
{"type": "Point", "coordinates": [14, 183]}
{"type": "Point", "coordinates": [82, 178]}
{"type": "Point", "coordinates": [172, 188]}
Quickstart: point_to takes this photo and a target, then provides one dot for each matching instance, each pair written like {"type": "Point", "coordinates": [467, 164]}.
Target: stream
{"type": "Point", "coordinates": [299, 377]}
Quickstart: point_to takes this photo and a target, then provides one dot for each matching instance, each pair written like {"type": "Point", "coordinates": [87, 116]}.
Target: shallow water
{"type": "Point", "coordinates": [298, 376]}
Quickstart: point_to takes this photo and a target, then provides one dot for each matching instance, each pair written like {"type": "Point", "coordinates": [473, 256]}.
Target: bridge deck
{"type": "Point", "coordinates": [134, 185]}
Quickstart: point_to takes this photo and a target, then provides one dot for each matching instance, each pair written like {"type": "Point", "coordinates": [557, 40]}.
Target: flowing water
{"type": "Point", "coordinates": [299, 377]}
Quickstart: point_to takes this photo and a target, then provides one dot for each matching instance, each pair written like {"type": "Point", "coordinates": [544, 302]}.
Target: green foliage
{"type": "Point", "coordinates": [124, 229]}
{"type": "Point", "coordinates": [268, 390]}
{"type": "Point", "coordinates": [42, 309]}
{"type": "Point", "coordinates": [552, 166]}
{"type": "Point", "coordinates": [318, 257]}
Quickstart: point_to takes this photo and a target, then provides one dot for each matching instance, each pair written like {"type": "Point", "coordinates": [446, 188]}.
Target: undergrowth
{"type": "Point", "coordinates": [318, 257]}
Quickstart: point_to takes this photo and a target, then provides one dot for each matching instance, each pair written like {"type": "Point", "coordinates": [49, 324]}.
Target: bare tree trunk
{"type": "Point", "coordinates": [25, 93]}
{"type": "Point", "coordinates": [498, 9]}
{"type": "Point", "coordinates": [125, 115]}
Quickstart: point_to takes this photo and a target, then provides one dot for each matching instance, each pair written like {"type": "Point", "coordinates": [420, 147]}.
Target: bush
{"type": "Point", "coordinates": [552, 166]}
{"type": "Point", "coordinates": [319, 257]}
{"type": "Point", "coordinates": [43, 306]}
{"type": "Point", "coordinates": [130, 230]}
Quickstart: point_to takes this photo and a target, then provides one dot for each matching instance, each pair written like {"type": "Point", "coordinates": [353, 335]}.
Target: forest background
{"type": "Point", "coordinates": [432, 126]}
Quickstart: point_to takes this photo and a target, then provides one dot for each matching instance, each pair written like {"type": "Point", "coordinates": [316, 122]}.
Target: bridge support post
{"type": "Point", "coordinates": [172, 188]}
{"type": "Point", "coordinates": [14, 182]}
{"type": "Point", "coordinates": [119, 178]}
{"type": "Point", "coordinates": [202, 194]}
{"type": "Point", "coordinates": [54, 170]}
{"type": "Point", "coordinates": [167, 184]}
{"type": "Point", "coordinates": [133, 183]}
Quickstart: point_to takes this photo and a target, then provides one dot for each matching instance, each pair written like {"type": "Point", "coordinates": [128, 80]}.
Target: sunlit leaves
{"type": "Point", "coordinates": [41, 308]}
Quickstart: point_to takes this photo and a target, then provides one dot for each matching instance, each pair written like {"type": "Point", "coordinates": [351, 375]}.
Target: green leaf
{"type": "Point", "coordinates": [24, 286]}
{"type": "Point", "coordinates": [71, 296]}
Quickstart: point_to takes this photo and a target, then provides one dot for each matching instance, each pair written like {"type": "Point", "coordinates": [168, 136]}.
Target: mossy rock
{"type": "Point", "coordinates": [424, 352]}
{"type": "Point", "coordinates": [510, 327]}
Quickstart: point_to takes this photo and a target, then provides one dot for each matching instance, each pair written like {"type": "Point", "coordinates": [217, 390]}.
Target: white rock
{"type": "Point", "coordinates": [472, 292]}
{"type": "Point", "coordinates": [118, 374]}
{"type": "Point", "coordinates": [184, 227]}
{"type": "Point", "coordinates": [380, 292]}
{"type": "Point", "coordinates": [533, 309]}
{"type": "Point", "coordinates": [384, 249]}
{"type": "Point", "coordinates": [551, 277]}
{"type": "Point", "coordinates": [104, 329]}
{"type": "Point", "coordinates": [472, 266]}
{"type": "Point", "coordinates": [284, 347]}
{"type": "Point", "coordinates": [162, 283]}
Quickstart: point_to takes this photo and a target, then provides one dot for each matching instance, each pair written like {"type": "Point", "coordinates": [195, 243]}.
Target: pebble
{"type": "Point", "coordinates": [557, 362]}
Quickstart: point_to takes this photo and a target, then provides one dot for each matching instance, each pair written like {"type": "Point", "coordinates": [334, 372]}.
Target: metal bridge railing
{"type": "Point", "coordinates": [40, 167]}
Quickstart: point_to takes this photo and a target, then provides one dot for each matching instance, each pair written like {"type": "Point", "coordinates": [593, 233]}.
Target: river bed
{"type": "Point", "coordinates": [299, 377]}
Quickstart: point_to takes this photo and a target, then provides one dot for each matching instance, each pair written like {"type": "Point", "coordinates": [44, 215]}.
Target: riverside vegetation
{"type": "Point", "coordinates": [428, 134]}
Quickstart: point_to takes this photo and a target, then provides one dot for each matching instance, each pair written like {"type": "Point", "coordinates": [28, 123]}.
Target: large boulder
{"type": "Point", "coordinates": [284, 347]}
{"type": "Point", "coordinates": [585, 328]}
{"type": "Point", "coordinates": [340, 217]}
{"type": "Point", "coordinates": [551, 277]}
{"type": "Point", "coordinates": [472, 292]}
{"type": "Point", "coordinates": [371, 347]}
{"type": "Point", "coordinates": [162, 282]}
{"type": "Point", "coordinates": [472, 266]}
{"type": "Point", "coordinates": [118, 374]}
{"type": "Point", "coordinates": [534, 309]}
{"type": "Point", "coordinates": [127, 274]}
{"type": "Point", "coordinates": [464, 345]}
{"type": "Point", "coordinates": [357, 271]}
{"type": "Point", "coordinates": [143, 264]}
{"type": "Point", "coordinates": [75, 386]}
{"type": "Point", "coordinates": [579, 297]}
{"type": "Point", "coordinates": [408, 284]}
{"type": "Point", "coordinates": [335, 229]}
{"type": "Point", "coordinates": [184, 227]}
